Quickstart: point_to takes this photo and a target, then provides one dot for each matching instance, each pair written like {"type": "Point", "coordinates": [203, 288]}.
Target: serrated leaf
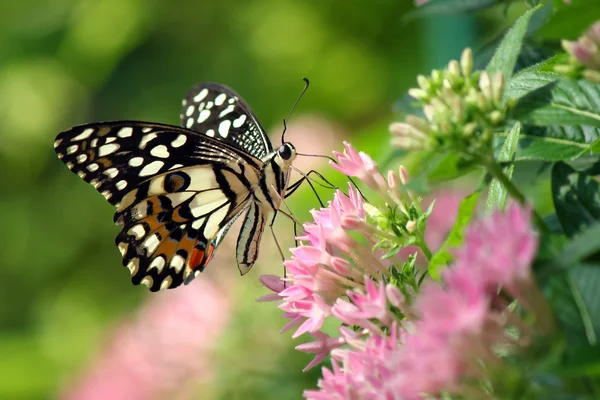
{"type": "Point", "coordinates": [576, 197]}
{"type": "Point", "coordinates": [581, 248]}
{"type": "Point", "coordinates": [434, 7]}
{"type": "Point", "coordinates": [496, 197]}
{"type": "Point", "coordinates": [547, 99]}
{"type": "Point", "coordinates": [456, 236]}
{"type": "Point", "coordinates": [548, 149]}
{"type": "Point", "coordinates": [505, 57]}
{"type": "Point", "coordinates": [566, 300]}
{"type": "Point", "coordinates": [451, 166]}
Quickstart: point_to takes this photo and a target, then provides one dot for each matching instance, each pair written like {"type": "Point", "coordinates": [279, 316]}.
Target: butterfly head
{"type": "Point", "coordinates": [286, 153]}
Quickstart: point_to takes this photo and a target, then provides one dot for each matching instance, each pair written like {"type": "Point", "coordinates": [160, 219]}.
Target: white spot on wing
{"type": "Point", "coordinates": [123, 247]}
{"type": "Point", "coordinates": [137, 230]}
{"type": "Point", "coordinates": [239, 121]}
{"type": "Point", "coordinates": [110, 139]}
{"type": "Point", "coordinates": [160, 151]}
{"type": "Point", "coordinates": [178, 198]}
{"type": "Point", "coordinates": [111, 172]}
{"type": "Point", "coordinates": [94, 143]}
{"type": "Point", "coordinates": [200, 96]}
{"type": "Point", "coordinates": [92, 167]}
{"type": "Point", "coordinates": [85, 134]}
{"type": "Point", "coordinates": [146, 129]}
{"type": "Point", "coordinates": [220, 99]}
{"type": "Point", "coordinates": [57, 143]}
{"type": "Point", "coordinates": [151, 168]}
{"type": "Point", "coordinates": [190, 122]}
{"type": "Point", "coordinates": [205, 202]}
{"type": "Point", "coordinates": [121, 184]}
{"type": "Point", "coordinates": [158, 263]}
{"type": "Point", "coordinates": [180, 141]}
{"type": "Point", "coordinates": [210, 133]}
{"type": "Point", "coordinates": [107, 149]}
{"type": "Point", "coordinates": [148, 281]}
{"type": "Point", "coordinates": [212, 227]}
{"type": "Point", "coordinates": [203, 116]}
{"type": "Point", "coordinates": [166, 283]}
{"type": "Point", "coordinates": [201, 178]}
{"type": "Point", "coordinates": [177, 262]}
{"type": "Point", "coordinates": [107, 195]}
{"type": "Point", "coordinates": [226, 111]}
{"type": "Point", "coordinates": [125, 132]}
{"type": "Point", "coordinates": [136, 161]}
{"type": "Point", "coordinates": [72, 149]}
{"type": "Point", "coordinates": [176, 166]}
{"type": "Point", "coordinates": [151, 243]}
{"type": "Point", "coordinates": [146, 139]}
{"type": "Point", "coordinates": [224, 128]}
{"type": "Point", "coordinates": [197, 224]}
{"type": "Point", "coordinates": [189, 111]}
{"type": "Point", "coordinates": [134, 266]}
{"type": "Point", "coordinates": [81, 158]}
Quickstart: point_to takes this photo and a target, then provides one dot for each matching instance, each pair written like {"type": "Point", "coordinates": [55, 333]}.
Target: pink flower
{"type": "Point", "coordinates": [361, 308]}
{"type": "Point", "coordinates": [500, 249]}
{"type": "Point", "coordinates": [322, 347]}
{"type": "Point", "coordinates": [360, 165]}
{"type": "Point", "coordinates": [166, 350]}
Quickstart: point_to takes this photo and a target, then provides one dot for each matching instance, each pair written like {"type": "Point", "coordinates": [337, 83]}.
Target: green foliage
{"type": "Point", "coordinates": [497, 193]}
{"type": "Point", "coordinates": [455, 238]}
{"type": "Point", "coordinates": [505, 57]}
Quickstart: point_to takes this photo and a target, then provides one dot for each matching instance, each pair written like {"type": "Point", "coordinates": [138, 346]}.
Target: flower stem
{"type": "Point", "coordinates": [496, 171]}
{"type": "Point", "coordinates": [423, 246]}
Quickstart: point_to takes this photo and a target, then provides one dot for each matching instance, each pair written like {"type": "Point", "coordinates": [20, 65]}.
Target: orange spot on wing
{"type": "Point", "coordinates": [200, 258]}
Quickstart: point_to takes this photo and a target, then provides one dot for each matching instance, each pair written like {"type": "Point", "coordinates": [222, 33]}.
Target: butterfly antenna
{"type": "Point", "coordinates": [306, 84]}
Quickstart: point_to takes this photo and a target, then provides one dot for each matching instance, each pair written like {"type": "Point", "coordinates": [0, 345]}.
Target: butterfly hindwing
{"type": "Point", "coordinates": [176, 191]}
{"type": "Point", "coordinates": [218, 112]}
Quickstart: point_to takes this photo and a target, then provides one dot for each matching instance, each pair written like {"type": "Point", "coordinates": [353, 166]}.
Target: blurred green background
{"type": "Point", "coordinates": [67, 62]}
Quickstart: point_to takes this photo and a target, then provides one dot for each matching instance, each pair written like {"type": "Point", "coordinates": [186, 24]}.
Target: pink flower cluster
{"type": "Point", "coordinates": [165, 353]}
{"type": "Point", "coordinates": [388, 348]}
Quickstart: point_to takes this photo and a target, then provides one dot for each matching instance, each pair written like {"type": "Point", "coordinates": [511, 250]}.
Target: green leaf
{"type": "Point", "coordinates": [434, 7]}
{"type": "Point", "coordinates": [547, 99]}
{"type": "Point", "coordinates": [576, 198]}
{"type": "Point", "coordinates": [549, 149]}
{"type": "Point", "coordinates": [575, 303]}
{"type": "Point", "coordinates": [451, 166]}
{"type": "Point", "coordinates": [496, 197]}
{"type": "Point", "coordinates": [505, 57]}
{"type": "Point", "coordinates": [455, 238]}
{"type": "Point", "coordinates": [581, 248]}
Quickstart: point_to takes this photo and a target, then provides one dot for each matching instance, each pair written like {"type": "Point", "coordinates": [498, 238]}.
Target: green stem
{"type": "Point", "coordinates": [496, 171]}
{"type": "Point", "coordinates": [421, 245]}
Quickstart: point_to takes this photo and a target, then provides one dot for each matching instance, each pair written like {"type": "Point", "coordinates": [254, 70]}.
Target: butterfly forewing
{"type": "Point", "coordinates": [218, 112]}
{"type": "Point", "coordinates": [176, 191]}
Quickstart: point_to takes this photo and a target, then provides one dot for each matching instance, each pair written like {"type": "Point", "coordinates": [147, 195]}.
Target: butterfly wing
{"type": "Point", "coordinates": [217, 111]}
{"type": "Point", "coordinates": [176, 192]}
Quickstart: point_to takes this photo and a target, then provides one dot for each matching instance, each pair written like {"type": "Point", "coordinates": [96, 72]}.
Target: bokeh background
{"type": "Point", "coordinates": [71, 324]}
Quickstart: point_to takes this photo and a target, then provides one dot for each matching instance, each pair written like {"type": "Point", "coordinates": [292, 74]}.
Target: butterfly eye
{"type": "Point", "coordinates": [285, 151]}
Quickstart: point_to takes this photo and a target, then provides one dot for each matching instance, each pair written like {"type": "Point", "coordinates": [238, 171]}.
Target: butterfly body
{"type": "Point", "coordinates": [178, 190]}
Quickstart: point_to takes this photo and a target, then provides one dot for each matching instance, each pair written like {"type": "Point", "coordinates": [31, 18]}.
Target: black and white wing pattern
{"type": "Point", "coordinates": [217, 111]}
{"type": "Point", "coordinates": [176, 191]}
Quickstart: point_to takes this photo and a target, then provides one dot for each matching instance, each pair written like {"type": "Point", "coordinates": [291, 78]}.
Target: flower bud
{"type": "Point", "coordinates": [423, 83]}
{"type": "Point", "coordinates": [418, 94]}
{"type": "Point", "coordinates": [466, 62]}
{"type": "Point", "coordinates": [392, 179]}
{"type": "Point", "coordinates": [404, 177]}
{"type": "Point", "coordinates": [485, 85]}
{"type": "Point", "coordinates": [411, 226]}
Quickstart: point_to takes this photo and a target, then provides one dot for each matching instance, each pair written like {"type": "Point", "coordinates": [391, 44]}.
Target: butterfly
{"type": "Point", "coordinates": [178, 190]}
